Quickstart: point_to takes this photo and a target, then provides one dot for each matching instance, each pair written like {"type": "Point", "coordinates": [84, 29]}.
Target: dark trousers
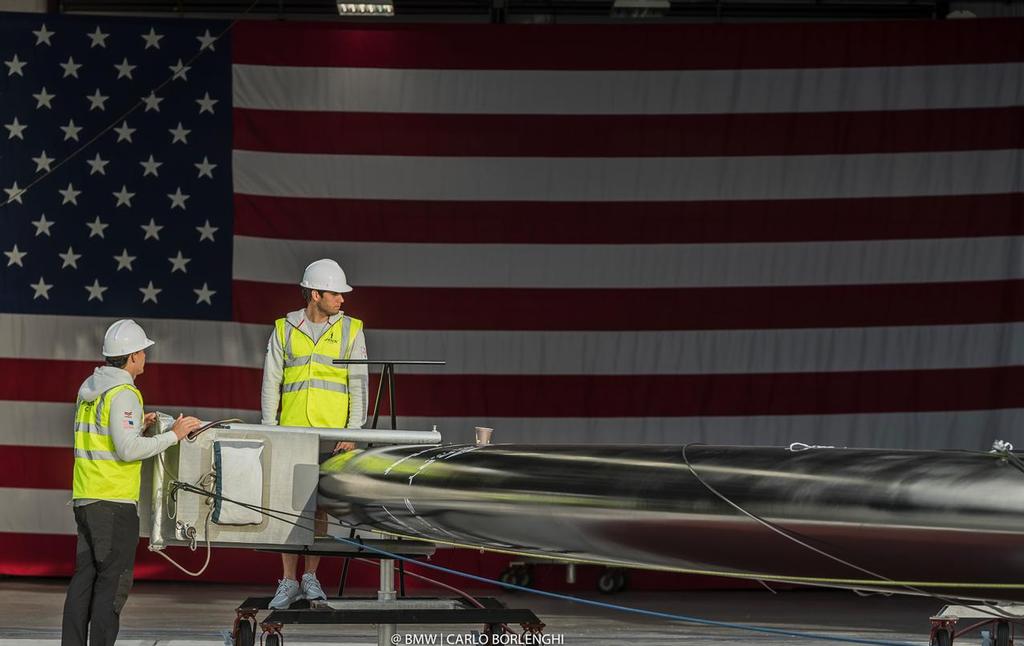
{"type": "Point", "coordinates": [108, 533]}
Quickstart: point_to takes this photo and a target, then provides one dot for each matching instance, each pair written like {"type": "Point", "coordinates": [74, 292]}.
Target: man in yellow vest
{"type": "Point", "coordinates": [109, 449]}
{"type": "Point", "coordinates": [299, 375]}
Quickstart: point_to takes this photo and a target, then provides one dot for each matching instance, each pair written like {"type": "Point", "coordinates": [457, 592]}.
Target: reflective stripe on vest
{"type": "Point", "coordinates": [99, 473]}
{"type": "Point", "coordinates": [314, 391]}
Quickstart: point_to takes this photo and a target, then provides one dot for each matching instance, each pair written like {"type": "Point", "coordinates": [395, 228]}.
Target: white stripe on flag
{"type": "Point", "coordinates": [474, 352]}
{"type": "Point", "coordinates": [778, 264]}
{"type": "Point", "coordinates": [514, 352]}
{"type": "Point", "coordinates": [627, 92]}
{"type": "Point", "coordinates": [37, 511]}
{"type": "Point", "coordinates": [973, 430]}
{"type": "Point", "coordinates": [627, 179]}
{"type": "Point", "coordinates": [50, 423]}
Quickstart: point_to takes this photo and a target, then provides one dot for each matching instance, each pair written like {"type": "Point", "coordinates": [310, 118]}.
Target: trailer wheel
{"type": "Point", "coordinates": [272, 639]}
{"type": "Point", "coordinates": [1002, 633]}
{"type": "Point", "coordinates": [607, 583]}
{"type": "Point", "coordinates": [524, 577]}
{"type": "Point", "coordinates": [245, 636]}
{"type": "Point", "coordinates": [621, 580]}
{"type": "Point", "coordinates": [942, 638]}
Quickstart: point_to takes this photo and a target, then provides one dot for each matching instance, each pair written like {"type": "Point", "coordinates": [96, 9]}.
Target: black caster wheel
{"type": "Point", "coordinates": [1002, 634]}
{"type": "Point", "coordinates": [272, 639]}
{"type": "Point", "coordinates": [508, 575]}
{"type": "Point", "coordinates": [621, 579]}
{"type": "Point", "coordinates": [606, 583]}
{"type": "Point", "coordinates": [246, 635]}
{"type": "Point", "coordinates": [524, 578]}
{"type": "Point", "coordinates": [942, 638]}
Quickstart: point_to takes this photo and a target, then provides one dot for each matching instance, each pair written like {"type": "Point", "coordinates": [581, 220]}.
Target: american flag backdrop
{"type": "Point", "coordinates": [754, 234]}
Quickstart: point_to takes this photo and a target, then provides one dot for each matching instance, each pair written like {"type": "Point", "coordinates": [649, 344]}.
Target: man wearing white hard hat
{"type": "Point", "coordinates": [109, 449]}
{"type": "Point", "coordinates": [300, 378]}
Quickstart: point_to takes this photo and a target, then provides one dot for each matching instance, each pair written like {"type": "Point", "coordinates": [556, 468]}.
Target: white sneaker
{"type": "Point", "coordinates": [288, 592]}
{"type": "Point", "coordinates": [311, 587]}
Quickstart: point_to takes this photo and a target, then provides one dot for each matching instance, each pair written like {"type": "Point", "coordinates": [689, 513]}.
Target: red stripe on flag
{"type": "Point", "coordinates": [727, 308]}
{"type": "Point", "coordinates": [48, 555]}
{"type": "Point", "coordinates": [629, 222]}
{"type": "Point", "coordinates": [630, 47]}
{"type": "Point", "coordinates": [500, 135]}
{"type": "Point", "coordinates": [591, 396]}
{"type": "Point", "coordinates": [178, 385]}
{"type": "Point", "coordinates": [37, 467]}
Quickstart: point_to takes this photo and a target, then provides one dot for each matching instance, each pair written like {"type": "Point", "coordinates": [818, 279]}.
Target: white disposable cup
{"type": "Point", "coordinates": [483, 434]}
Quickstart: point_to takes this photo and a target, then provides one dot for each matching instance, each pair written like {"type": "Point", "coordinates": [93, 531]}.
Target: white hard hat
{"type": "Point", "coordinates": [326, 275]}
{"type": "Point", "coordinates": [124, 337]}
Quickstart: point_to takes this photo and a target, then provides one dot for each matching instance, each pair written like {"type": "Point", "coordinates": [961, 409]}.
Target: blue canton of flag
{"type": "Point", "coordinates": [115, 166]}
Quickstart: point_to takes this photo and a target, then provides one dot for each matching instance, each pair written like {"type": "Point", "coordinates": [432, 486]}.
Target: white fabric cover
{"type": "Point", "coordinates": [239, 476]}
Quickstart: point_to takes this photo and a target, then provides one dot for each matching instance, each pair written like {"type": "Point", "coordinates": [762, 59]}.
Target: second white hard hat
{"type": "Point", "coordinates": [125, 337]}
{"type": "Point", "coordinates": [327, 275]}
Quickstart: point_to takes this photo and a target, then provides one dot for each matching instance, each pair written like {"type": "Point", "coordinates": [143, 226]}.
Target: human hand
{"type": "Point", "coordinates": [344, 446]}
{"type": "Point", "coordinates": [148, 419]}
{"type": "Point", "coordinates": [184, 425]}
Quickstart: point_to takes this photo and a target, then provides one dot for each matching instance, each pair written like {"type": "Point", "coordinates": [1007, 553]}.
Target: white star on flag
{"type": "Point", "coordinates": [14, 193]}
{"type": "Point", "coordinates": [124, 198]}
{"type": "Point", "coordinates": [180, 70]}
{"type": "Point", "coordinates": [152, 39]}
{"type": "Point", "coordinates": [43, 99]}
{"type": "Point", "coordinates": [71, 67]}
{"type": "Point", "coordinates": [150, 167]}
{"type": "Point", "coordinates": [124, 70]}
{"type": "Point", "coordinates": [206, 103]}
{"type": "Point", "coordinates": [149, 292]}
{"type": "Point", "coordinates": [152, 102]}
{"type": "Point", "coordinates": [152, 230]}
{"type": "Point", "coordinates": [206, 232]}
{"type": "Point", "coordinates": [41, 289]}
{"type": "Point", "coordinates": [95, 290]}
{"type": "Point", "coordinates": [206, 41]}
{"type": "Point", "coordinates": [14, 256]}
{"type": "Point", "coordinates": [70, 194]}
{"type": "Point", "coordinates": [178, 199]}
{"type": "Point", "coordinates": [96, 227]}
{"type": "Point", "coordinates": [98, 38]}
{"type": "Point", "coordinates": [205, 168]}
{"type": "Point", "coordinates": [70, 258]}
{"type": "Point", "coordinates": [124, 261]}
{"type": "Point", "coordinates": [71, 130]}
{"type": "Point", "coordinates": [179, 134]}
{"type": "Point", "coordinates": [97, 165]}
{"type": "Point", "coordinates": [43, 35]}
{"type": "Point", "coordinates": [178, 263]}
{"type": "Point", "coordinates": [16, 129]}
{"type": "Point", "coordinates": [42, 162]}
{"type": "Point", "coordinates": [204, 295]}
{"type": "Point", "coordinates": [15, 66]}
{"type": "Point", "coordinates": [124, 133]}
{"type": "Point", "coordinates": [42, 225]}
{"type": "Point", "coordinates": [96, 101]}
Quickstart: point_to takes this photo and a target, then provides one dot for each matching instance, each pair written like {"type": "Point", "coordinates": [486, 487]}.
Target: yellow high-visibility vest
{"type": "Point", "coordinates": [99, 473]}
{"type": "Point", "coordinates": [314, 391]}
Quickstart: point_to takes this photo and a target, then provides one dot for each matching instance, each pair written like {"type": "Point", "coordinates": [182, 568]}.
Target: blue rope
{"type": "Point", "coordinates": [613, 606]}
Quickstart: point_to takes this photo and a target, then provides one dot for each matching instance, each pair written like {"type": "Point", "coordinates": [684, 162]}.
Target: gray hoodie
{"type": "Point", "coordinates": [126, 419]}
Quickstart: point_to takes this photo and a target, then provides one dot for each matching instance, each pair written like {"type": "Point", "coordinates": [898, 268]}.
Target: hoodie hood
{"type": "Point", "coordinates": [103, 379]}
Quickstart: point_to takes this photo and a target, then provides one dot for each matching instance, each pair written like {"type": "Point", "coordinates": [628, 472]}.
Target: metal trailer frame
{"type": "Point", "coordinates": [387, 610]}
{"type": "Point", "coordinates": [996, 631]}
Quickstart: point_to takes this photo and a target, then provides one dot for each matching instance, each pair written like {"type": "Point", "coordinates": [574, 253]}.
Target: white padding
{"type": "Point", "coordinates": [239, 473]}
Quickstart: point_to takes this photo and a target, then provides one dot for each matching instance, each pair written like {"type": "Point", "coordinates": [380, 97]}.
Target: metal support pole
{"type": "Point", "coordinates": [376, 401]}
{"type": "Point", "coordinates": [385, 632]}
{"type": "Point", "coordinates": [392, 402]}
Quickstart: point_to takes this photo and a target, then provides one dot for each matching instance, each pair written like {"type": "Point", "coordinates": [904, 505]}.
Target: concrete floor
{"type": "Point", "coordinates": [182, 614]}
